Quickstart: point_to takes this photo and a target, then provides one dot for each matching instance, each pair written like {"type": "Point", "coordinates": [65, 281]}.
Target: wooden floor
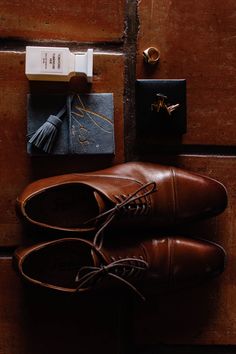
{"type": "Point", "coordinates": [197, 43]}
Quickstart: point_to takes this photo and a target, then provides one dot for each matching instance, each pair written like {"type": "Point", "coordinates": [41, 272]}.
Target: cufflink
{"type": "Point", "coordinates": [160, 104]}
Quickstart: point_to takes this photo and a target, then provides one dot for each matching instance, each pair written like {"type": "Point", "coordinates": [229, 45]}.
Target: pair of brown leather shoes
{"type": "Point", "coordinates": [132, 196]}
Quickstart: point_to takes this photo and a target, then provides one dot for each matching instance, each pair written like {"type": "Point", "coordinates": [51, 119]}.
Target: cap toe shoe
{"type": "Point", "coordinates": [75, 265]}
{"type": "Point", "coordinates": [68, 202]}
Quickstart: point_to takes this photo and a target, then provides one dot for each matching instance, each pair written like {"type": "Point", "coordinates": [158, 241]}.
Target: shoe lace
{"type": "Point", "coordinates": [135, 203]}
{"type": "Point", "coordinates": [117, 269]}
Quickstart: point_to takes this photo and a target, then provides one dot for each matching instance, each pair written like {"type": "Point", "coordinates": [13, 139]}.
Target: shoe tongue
{"type": "Point", "coordinates": [102, 204]}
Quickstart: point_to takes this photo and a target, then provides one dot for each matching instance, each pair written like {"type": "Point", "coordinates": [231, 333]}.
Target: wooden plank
{"type": "Point", "coordinates": [81, 21]}
{"type": "Point", "coordinates": [197, 43]}
{"type": "Point", "coordinates": [198, 315]}
{"type": "Point", "coordinates": [34, 321]}
{"type": "Point", "coordinates": [17, 168]}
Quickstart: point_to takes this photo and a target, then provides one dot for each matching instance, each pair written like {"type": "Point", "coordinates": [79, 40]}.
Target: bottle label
{"type": "Point", "coordinates": [52, 61]}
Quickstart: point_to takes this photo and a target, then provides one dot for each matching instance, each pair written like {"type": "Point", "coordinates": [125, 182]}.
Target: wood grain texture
{"type": "Point", "coordinates": [197, 43]}
{"type": "Point", "coordinates": [17, 168]}
{"type": "Point", "coordinates": [83, 21]}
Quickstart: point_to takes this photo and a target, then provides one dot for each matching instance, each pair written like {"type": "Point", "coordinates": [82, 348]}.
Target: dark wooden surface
{"type": "Point", "coordinates": [197, 43]}
{"type": "Point", "coordinates": [79, 21]}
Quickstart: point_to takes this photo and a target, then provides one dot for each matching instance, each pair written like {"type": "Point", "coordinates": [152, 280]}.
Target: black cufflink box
{"type": "Point", "coordinates": [151, 121]}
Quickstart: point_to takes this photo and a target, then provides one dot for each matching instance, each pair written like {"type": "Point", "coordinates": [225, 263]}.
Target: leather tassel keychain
{"type": "Point", "coordinates": [44, 137]}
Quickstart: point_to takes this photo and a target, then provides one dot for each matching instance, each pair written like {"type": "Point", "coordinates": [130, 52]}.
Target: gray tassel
{"type": "Point", "coordinates": [45, 136]}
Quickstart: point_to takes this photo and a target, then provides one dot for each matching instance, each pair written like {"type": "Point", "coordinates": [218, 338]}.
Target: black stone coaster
{"type": "Point", "coordinates": [87, 127]}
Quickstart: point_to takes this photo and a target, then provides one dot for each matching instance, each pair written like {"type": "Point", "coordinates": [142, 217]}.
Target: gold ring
{"type": "Point", "coordinates": [151, 55]}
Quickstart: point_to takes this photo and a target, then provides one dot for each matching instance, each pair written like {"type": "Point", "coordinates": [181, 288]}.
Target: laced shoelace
{"type": "Point", "coordinates": [128, 266]}
{"type": "Point", "coordinates": [123, 267]}
{"type": "Point", "coordinates": [126, 205]}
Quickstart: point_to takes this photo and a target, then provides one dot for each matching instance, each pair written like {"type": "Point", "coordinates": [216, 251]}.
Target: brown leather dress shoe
{"type": "Point", "coordinates": [133, 194]}
{"type": "Point", "coordinates": [75, 265]}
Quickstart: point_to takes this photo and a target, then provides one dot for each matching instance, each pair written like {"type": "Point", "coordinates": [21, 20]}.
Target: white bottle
{"type": "Point", "coordinates": [57, 64]}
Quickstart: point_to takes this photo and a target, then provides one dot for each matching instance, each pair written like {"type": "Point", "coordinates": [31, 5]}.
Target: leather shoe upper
{"type": "Point", "coordinates": [132, 194]}
{"type": "Point", "coordinates": [157, 264]}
